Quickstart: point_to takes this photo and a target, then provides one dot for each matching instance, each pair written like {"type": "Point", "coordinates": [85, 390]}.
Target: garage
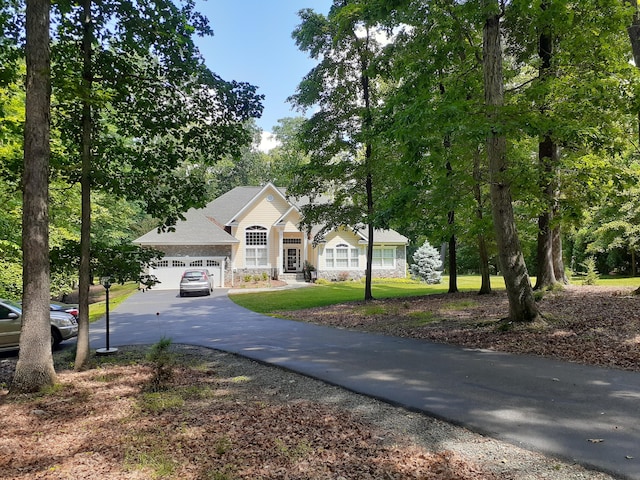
{"type": "Point", "coordinates": [169, 270]}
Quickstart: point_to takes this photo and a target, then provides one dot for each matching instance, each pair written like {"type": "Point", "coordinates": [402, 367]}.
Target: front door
{"type": "Point", "coordinates": [293, 259]}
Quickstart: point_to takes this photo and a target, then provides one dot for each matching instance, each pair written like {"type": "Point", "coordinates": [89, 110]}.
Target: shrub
{"type": "Point", "coordinates": [163, 362]}
{"type": "Point", "coordinates": [343, 276]}
{"type": "Point", "coordinates": [591, 272]}
{"type": "Point", "coordinates": [427, 264]}
{"type": "Point", "coordinates": [247, 278]}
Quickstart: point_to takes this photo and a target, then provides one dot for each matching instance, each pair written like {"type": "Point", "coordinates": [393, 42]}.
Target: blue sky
{"type": "Point", "coordinates": [252, 43]}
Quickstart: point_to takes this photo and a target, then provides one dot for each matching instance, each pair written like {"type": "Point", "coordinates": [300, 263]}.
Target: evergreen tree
{"type": "Point", "coordinates": [427, 264]}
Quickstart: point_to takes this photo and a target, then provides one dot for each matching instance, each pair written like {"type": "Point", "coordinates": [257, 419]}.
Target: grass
{"type": "Point", "coordinates": [117, 295]}
{"type": "Point", "coordinates": [341, 292]}
{"type": "Point", "coordinates": [610, 281]}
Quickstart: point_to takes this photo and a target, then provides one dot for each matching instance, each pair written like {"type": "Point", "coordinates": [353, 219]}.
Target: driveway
{"type": "Point", "coordinates": [553, 407]}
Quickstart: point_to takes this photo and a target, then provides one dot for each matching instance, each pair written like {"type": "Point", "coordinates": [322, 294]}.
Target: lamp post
{"type": "Point", "coordinates": [106, 283]}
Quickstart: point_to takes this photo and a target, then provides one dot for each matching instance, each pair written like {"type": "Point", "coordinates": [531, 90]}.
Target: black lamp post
{"type": "Point", "coordinates": [106, 283]}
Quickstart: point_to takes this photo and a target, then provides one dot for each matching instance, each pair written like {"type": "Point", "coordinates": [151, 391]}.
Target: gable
{"type": "Point", "coordinates": [290, 220]}
{"type": "Point", "coordinates": [266, 208]}
{"type": "Point", "coordinates": [340, 236]}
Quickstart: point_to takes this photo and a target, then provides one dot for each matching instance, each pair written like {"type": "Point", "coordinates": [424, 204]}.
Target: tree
{"type": "Point", "coordinates": [522, 306]}
{"type": "Point", "coordinates": [11, 166]}
{"type": "Point", "coordinates": [34, 369]}
{"type": "Point", "coordinates": [427, 264]}
{"type": "Point", "coordinates": [339, 137]}
{"type": "Point", "coordinates": [141, 111]}
{"type": "Point", "coordinates": [289, 156]}
{"type": "Point", "coordinates": [548, 158]}
{"type": "Point", "coordinates": [614, 225]}
{"type": "Point", "coordinates": [434, 93]}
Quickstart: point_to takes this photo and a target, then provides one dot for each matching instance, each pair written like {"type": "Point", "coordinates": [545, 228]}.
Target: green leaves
{"type": "Point", "coordinates": [157, 110]}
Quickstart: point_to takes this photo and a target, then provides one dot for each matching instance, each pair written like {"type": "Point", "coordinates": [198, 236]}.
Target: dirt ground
{"type": "Point", "coordinates": [220, 417]}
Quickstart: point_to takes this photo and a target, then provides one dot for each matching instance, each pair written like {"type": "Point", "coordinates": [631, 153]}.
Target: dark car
{"type": "Point", "coordinates": [63, 325]}
{"type": "Point", "coordinates": [65, 307]}
{"type": "Point", "coordinates": [196, 280]}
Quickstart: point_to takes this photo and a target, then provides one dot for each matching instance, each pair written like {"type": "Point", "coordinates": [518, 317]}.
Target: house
{"type": "Point", "coordinates": [254, 230]}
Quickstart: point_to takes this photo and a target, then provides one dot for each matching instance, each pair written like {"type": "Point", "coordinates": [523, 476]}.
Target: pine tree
{"type": "Point", "coordinates": [427, 264]}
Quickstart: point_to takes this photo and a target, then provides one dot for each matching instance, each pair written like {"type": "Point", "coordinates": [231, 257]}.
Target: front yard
{"type": "Point", "coordinates": [597, 325]}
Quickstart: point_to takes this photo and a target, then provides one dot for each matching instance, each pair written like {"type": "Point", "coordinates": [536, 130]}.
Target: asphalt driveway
{"type": "Point", "coordinates": [552, 407]}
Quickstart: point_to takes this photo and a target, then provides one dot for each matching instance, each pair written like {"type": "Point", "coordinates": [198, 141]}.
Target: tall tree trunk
{"type": "Point", "coordinates": [453, 260]}
{"type": "Point", "coordinates": [546, 275]}
{"type": "Point", "coordinates": [367, 122]}
{"type": "Point", "coordinates": [522, 306]}
{"type": "Point", "coordinates": [84, 276]}
{"type": "Point", "coordinates": [34, 369]}
{"type": "Point", "coordinates": [548, 154]}
{"type": "Point", "coordinates": [558, 260]}
{"type": "Point", "coordinates": [368, 293]}
{"type": "Point", "coordinates": [634, 38]}
{"type": "Point", "coordinates": [451, 217]}
{"type": "Point", "coordinates": [483, 251]}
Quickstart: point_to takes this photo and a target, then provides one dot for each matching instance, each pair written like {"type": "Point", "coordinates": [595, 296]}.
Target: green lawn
{"type": "Point", "coordinates": [117, 295]}
{"type": "Point", "coordinates": [339, 292]}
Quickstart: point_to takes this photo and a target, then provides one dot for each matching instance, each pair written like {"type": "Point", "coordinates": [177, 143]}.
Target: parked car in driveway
{"type": "Point", "coordinates": [63, 325]}
{"type": "Point", "coordinates": [196, 280]}
{"type": "Point", "coordinates": [65, 307]}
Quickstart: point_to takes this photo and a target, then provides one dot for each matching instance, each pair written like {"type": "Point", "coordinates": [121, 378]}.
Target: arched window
{"type": "Point", "coordinates": [256, 246]}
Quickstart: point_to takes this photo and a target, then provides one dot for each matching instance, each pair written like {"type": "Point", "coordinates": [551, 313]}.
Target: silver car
{"type": "Point", "coordinates": [196, 280]}
{"type": "Point", "coordinates": [63, 325]}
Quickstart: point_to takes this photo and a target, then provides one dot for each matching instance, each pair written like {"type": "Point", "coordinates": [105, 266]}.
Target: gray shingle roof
{"type": "Point", "coordinates": [196, 229]}
{"type": "Point", "coordinates": [206, 226]}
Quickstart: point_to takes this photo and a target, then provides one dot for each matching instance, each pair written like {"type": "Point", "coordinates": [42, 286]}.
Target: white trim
{"type": "Point", "coordinates": [250, 203]}
{"type": "Point", "coordinates": [258, 248]}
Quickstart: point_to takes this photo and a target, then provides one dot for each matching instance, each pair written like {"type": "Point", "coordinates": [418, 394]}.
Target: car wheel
{"type": "Point", "coordinates": [56, 338]}
{"type": "Point", "coordinates": [182, 294]}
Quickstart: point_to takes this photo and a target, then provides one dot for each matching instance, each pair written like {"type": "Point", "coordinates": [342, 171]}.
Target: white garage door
{"type": "Point", "coordinates": [169, 270]}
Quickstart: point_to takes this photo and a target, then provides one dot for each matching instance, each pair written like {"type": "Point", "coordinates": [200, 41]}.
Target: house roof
{"type": "Point", "coordinates": [195, 229]}
{"type": "Point", "coordinates": [389, 237]}
{"type": "Point", "coordinates": [206, 226]}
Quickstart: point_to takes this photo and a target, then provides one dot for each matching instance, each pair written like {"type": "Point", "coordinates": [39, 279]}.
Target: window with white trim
{"type": "Point", "coordinates": [161, 264]}
{"type": "Point", "coordinates": [256, 246]}
{"type": "Point", "coordinates": [384, 257]}
{"type": "Point", "coordinates": [342, 257]}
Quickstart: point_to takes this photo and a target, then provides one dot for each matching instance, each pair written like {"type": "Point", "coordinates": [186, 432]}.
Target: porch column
{"type": "Point", "coordinates": [305, 243]}
{"type": "Point", "coordinates": [279, 257]}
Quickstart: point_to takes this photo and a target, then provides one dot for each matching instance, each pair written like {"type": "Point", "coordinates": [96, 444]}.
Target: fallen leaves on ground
{"type": "Point", "coordinates": [589, 325]}
{"type": "Point", "coordinates": [105, 423]}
